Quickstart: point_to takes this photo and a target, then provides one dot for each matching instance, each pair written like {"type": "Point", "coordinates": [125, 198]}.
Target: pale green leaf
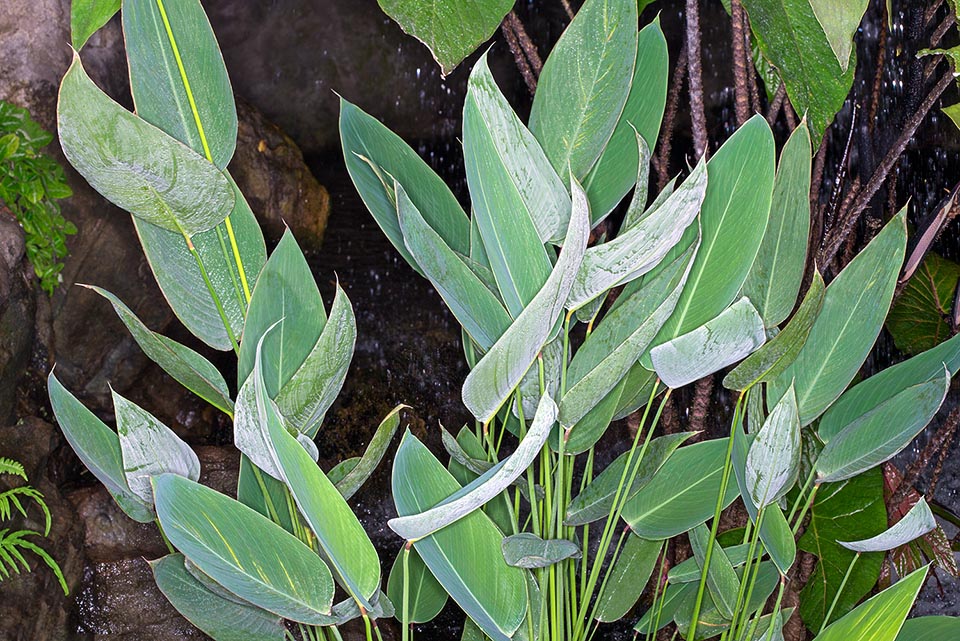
{"type": "Point", "coordinates": [87, 16]}
{"type": "Point", "coordinates": [914, 524]}
{"type": "Point", "coordinates": [628, 577]}
{"type": "Point", "coordinates": [722, 580]}
{"type": "Point", "coordinates": [840, 21]}
{"type": "Point", "coordinates": [360, 469]}
{"type": "Point", "coordinates": [774, 459]}
{"type": "Point", "coordinates": [526, 550]}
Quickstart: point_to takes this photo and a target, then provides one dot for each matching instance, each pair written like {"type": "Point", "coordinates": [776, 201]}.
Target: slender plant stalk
{"type": "Point", "coordinates": [836, 597]}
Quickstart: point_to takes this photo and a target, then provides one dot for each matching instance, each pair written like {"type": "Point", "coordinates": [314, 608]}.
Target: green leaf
{"type": "Point", "coordinates": [272, 570]}
{"type": "Point", "coordinates": [584, 85]}
{"type": "Point", "coordinates": [775, 278]}
{"type": "Point", "coordinates": [468, 461]}
{"type": "Point", "coordinates": [286, 293]}
{"type": "Point", "coordinates": [86, 18]}
{"type": "Point", "coordinates": [182, 283]}
{"type": "Point", "coordinates": [768, 362]}
{"type": "Point", "coordinates": [637, 386]}
{"type": "Point", "coordinates": [595, 502]}
{"type": "Point", "coordinates": [631, 570]}
{"type": "Point", "coordinates": [842, 511]}
{"type": "Point", "coordinates": [920, 317]}
{"type": "Point", "coordinates": [178, 78]}
{"type": "Point", "coordinates": [133, 164]}
{"type": "Point", "coordinates": [221, 618]}
{"type": "Point", "coordinates": [418, 525]}
{"type": "Point", "coordinates": [734, 334]}
{"type": "Point", "coordinates": [774, 459]}
{"type": "Point", "coordinates": [840, 21]}
{"type": "Point", "coordinates": [640, 248]}
{"type": "Point", "coordinates": [375, 157]}
{"type": "Point", "coordinates": [732, 222]}
{"type": "Point", "coordinates": [881, 433]}
{"type": "Point", "coordinates": [792, 40]}
{"type": "Point", "coordinates": [618, 169]}
{"type": "Point", "coordinates": [851, 317]}
{"type": "Point", "coordinates": [930, 628]}
{"type": "Point", "coordinates": [502, 210]}
{"type": "Point", "coordinates": [451, 30]}
{"type": "Point", "coordinates": [722, 580]}
{"type": "Point", "coordinates": [881, 616]}
{"type": "Point", "coordinates": [775, 532]}
{"type": "Point", "coordinates": [673, 598]}
{"type": "Point", "coordinates": [362, 468]}
{"type": "Point", "coordinates": [464, 557]}
{"type": "Point", "coordinates": [506, 165]}
{"type": "Point", "coordinates": [150, 448]}
{"type": "Point", "coordinates": [864, 397]}
{"type": "Point", "coordinates": [914, 524]}
{"type": "Point", "coordinates": [97, 447]}
{"type": "Point", "coordinates": [526, 550]}
{"type": "Point", "coordinates": [711, 620]}
{"type": "Point", "coordinates": [475, 306]}
{"type": "Point", "coordinates": [425, 596]}
{"type": "Point", "coordinates": [688, 571]}
{"type": "Point", "coordinates": [342, 541]}
{"type": "Point", "coordinates": [305, 398]}
{"type": "Point", "coordinates": [682, 494]}
{"type": "Point", "coordinates": [502, 368]}
{"type": "Point", "coordinates": [187, 367]}
{"type": "Point", "coordinates": [619, 340]}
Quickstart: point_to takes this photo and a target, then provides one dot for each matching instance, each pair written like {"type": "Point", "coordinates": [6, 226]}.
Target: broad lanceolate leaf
{"type": "Point", "coordinates": [774, 458]}
{"type": "Point", "coordinates": [501, 369]}
{"type": "Point", "coordinates": [177, 75]}
{"type": "Point", "coordinates": [343, 543]}
{"type": "Point", "coordinates": [425, 596]}
{"type": "Point", "coordinates": [775, 356]}
{"type": "Point", "coordinates": [721, 578]}
{"type": "Point", "coordinates": [375, 157]}
{"type": "Point", "coordinates": [850, 319]}
{"type": "Point", "coordinates": [711, 620]}
{"type": "Point", "coordinates": [775, 532]}
{"type": "Point", "coordinates": [851, 509]}
{"type": "Point", "coordinates": [504, 200]}
{"type": "Point", "coordinates": [881, 433]}
{"type": "Point", "coordinates": [792, 40]}
{"type": "Point", "coordinates": [182, 283]}
{"type": "Point", "coordinates": [930, 628]}
{"type": "Point", "coordinates": [361, 470]}
{"type": "Point", "coordinates": [880, 617]}
{"type": "Point", "coordinates": [628, 577]}
{"type": "Point", "coordinates": [688, 571]}
{"type": "Point", "coordinates": [732, 223]}
{"type": "Point", "coordinates": [726, 339]}
{"type": "Point", "coordinates": [915, 523]}
{"type": "Point", "coordinates": [286, 293]}
{"type": "Point", "coordinates": [272, 570]}
{"type": "Point", "coordinates": [305, 398]}
{"type": "Point", "coordinates": [150, 448]}
{"type": "Point", "coordinates": [135, 165]}
{"type": "Point", "coordinates": [451, 30]}
{"type": "Point", "coordinates": [840, 21]}
{"type": "Point", "coordinates": [511, 168]}
{"type": "Point", "coordinates": [640, 248]}
{"type": "Point", "coordinates": [464, 557]}
{"type": "Point", "coordinates": [674, 597]}
{"type": "Point", "coordinates": [526, 550]}
{"type": "Point", "coordinates": [864, 397]}
{"type": "Point", "coordinates": [620, 339]}
{"type": "Point", "coordinates": [475, 306]}
{"type": "Point", "coordinates": [616, 171]}
{"type": "Point", "coordinates": [775, 278]}
{"type": "Point", "coordinates": [496, 480]}
{"type": "Point", "coordinates": [221, 618]}
{"type": "Point", "coordinates": [584, 85]}
{"type": "Point", "coordinates": [86, 18]}
{"type": "Point", "coordinates": [98, 447]}
{"type": "Point", "coordinates": [189, 368]}
{"type": "Point", "coordinates": [682, 494]}
{"type": "Point", "coordinates": [595, 502]}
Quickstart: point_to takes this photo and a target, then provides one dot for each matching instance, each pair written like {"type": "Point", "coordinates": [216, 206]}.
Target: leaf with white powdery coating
{"type": "Point", "coordinates": [774, 458]}
{"type": "Point", "coordinates": [914, 524]}
{"type": "Point", "coordinates": [360, 471]}
{"type": "Point", "coordinates": [526, 550]}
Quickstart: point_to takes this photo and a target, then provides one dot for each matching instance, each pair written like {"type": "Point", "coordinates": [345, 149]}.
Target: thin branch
{"type": "Point", "coordinates": [695, 80]}
{"type": "Point", "coordinates": [670, 119]}
{"type": "Point", "coordinates": [883, 170]}
{"type": "Point", "coordinates": [519, 55]}
{"type": "Point", "coordinates": [740, 90]}
{"type": "Point", "coordinates": [567, 9]}
{"type": "Point", "coordinates": [777, 103]}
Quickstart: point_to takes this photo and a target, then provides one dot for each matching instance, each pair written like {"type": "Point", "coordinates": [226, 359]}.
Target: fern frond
{"type": "Point", "coordinates": [11, 544]}
{"type": "Point", "coordinates": [10, 499]}
{"type": "Point", "coordinates": [9, 466]}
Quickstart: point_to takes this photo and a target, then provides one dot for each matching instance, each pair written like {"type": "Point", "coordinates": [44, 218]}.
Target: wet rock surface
{"type": "Point", "coordinates": [18, 294]}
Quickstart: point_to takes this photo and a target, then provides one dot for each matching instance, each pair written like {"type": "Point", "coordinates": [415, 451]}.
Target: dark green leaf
{"type": "Point", "coordinates": [425, 596]}
{"type": "Point", "coordinates": [526, 550]}
{"type": "Point", "coordinates": [360, 471]}
{"type": "Point", "coordinates": [86, 18]}
{"type": "Point", "coordinates": [631, 570]}
{"type": "Point", "coordinates": [920, 317]}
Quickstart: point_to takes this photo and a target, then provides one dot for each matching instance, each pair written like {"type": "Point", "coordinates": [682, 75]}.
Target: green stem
{"type": "Point", "coordinates": [163, 535]}
{"type": "Point", "coordinates": [836, 597]}
{"type": "Point", "coordinates": [405, 620]}
{"type": "Point", "coordinates": [213, 293]}
{"type": "Point", "coordinates": [806, 507]}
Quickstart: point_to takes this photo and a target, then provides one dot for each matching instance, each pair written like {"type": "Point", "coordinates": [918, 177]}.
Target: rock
{"type": "Point", "coordinates": [270, 171]}
{"type": "Point", "coordinates": [32, 606]}
{"type": "Point", "coordinates": [17, 312]}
